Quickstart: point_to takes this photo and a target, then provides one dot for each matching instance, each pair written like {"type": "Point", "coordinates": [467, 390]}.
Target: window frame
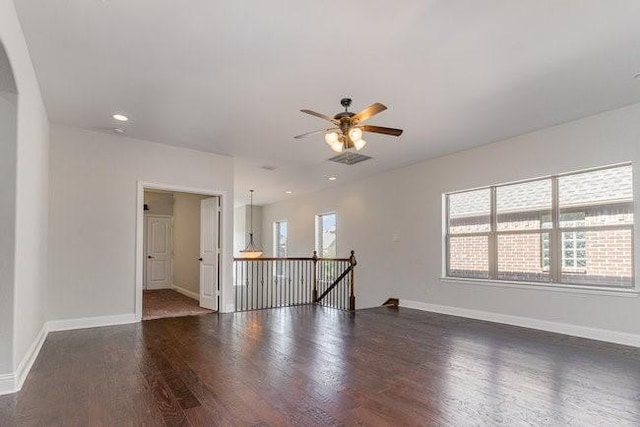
{"type": "Point", "coordinates": [555, 240]}
{"type": "Point", "coordinates": [318, 233]}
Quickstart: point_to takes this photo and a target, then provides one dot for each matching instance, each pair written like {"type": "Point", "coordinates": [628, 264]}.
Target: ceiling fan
{"type": "Point", "coordinates": [348, 127]}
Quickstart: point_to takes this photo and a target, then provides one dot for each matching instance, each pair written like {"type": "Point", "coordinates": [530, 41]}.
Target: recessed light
{"type": "Point", "coordinates": [120, 117]}
{"type": "Point", "coordinates": [332, 178]}
{"type": "Point", "coordinates": [119, 131]}
{"type": "Point", "coordinates": [289, 192]}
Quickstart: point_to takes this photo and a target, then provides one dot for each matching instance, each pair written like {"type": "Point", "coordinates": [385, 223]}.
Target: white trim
{"type": "Point", "coordinates": [32, 354]}
{"type": "Point", "coordinates": [90, 322]}
{"type": "Point", "coordinates": [553, 287]}
{"type": "Point", "coordinates": [143, 185]}
{"type": "Point", "coordinates": [527, 322]}
{"type": "Point", "coordinates": [186, 292]}
{"type": "Point", "coordinates": [157, 287]}
{"type": "Point", "coordinates": [11, 383]}
{"type": "Point", "coordinates": [7, 384]}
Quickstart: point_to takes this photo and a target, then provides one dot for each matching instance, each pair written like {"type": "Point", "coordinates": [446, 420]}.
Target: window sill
{"type": "Point", "coordinates": [576, 289]}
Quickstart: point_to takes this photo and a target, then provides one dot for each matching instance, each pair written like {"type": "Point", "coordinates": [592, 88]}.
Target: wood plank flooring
{"type": "Point", "coordinates": [317, 366]}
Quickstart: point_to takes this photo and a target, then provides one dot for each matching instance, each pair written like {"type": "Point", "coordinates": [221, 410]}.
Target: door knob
{"type": "Point", "coordinates": [150, 257]}
{"type": "Point", "coordinates": [199, 259]}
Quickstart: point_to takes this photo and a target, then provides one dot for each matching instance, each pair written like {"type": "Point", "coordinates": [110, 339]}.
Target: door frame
{"type": "Point", "coordinates": [144, 185]}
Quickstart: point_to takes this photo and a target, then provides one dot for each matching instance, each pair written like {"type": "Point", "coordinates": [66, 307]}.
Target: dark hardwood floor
{"type": "Point", "coordinates": [317, 366]}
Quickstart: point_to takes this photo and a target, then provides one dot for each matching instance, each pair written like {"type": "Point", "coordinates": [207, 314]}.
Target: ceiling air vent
{"type": "Point", "coordinates": [349, 158]}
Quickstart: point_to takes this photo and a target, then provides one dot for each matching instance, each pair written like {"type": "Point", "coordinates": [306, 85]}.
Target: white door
{"type": "Point", "coordinates": [159, 252]}
{"type": "Point", "coordinates": [209, 252]}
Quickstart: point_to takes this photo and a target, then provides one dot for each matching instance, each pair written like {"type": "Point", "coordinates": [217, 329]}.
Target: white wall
{"type": "Point", "coordinates": [158, 203]}
{"type": "Point", "coordinates": [239, 230]}
{"type": "Point", "coordinates": [394, 222]}
{"type": "Point", "coordinates": [242, 227]}
{"type": "Point", "coordinates": [31, 203]}
{"type": "Point", "coordinates": [93, 215]}
{"type": "Point", "coordinates": [186, 241]}
{"type": "Point", "coordinates": [8, 124]}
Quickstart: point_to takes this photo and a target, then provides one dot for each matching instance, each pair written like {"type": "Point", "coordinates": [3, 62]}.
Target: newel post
{"type": "Point", "coordinates": [315, 277]}
{"type": "Point", "coordinates": [352, 296]}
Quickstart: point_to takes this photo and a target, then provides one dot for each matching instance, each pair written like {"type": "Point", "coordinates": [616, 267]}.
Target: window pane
{"type": "Point", "coordinates": [470, 212]}
{"type": "Point", "coordinates": [469, 256]}
{"type": "Point", "coordinates": [524, 257]}
{"type": "Point", "coordinates": [572, 219]}
{"type": "Point", "coordinates": [281, 239]}
{"type": "Point", "coordinates": [603, 197]}
{"type": "Point", "coordinates": [327, 235]}
{"type": "Point", "coordinates": [602, 257]}
{"type": "Point", "coordinates": [523, 206]}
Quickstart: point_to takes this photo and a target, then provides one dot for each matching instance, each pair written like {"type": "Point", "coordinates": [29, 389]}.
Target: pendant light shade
{"type": "Point", "coordinates": [252, 250]}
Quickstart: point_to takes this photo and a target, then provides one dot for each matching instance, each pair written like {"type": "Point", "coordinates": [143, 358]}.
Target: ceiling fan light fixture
{"type": "Point", "coordinates": [337, 146]}
{"type": "Point", "coordinates": [359, 144]}
{"type": "Point", "coordinates": [355, 134]}
{"type": "Point", "coordinates": [331, 138]}
{"type": "Point", "coordinates": [347, 127]}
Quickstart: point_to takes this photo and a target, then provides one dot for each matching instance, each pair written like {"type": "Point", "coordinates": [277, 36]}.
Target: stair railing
{"type": "Point", "coordinates": [261, 283]}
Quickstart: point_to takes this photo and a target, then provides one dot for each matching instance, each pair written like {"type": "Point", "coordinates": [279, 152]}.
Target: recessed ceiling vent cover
{"type": "Point", "coordinates": [349, 158]}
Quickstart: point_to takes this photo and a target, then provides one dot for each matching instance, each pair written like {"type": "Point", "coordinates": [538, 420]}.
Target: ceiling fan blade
{"type": "Point", "coordinates": [380, 129]}
{"type": "Point", "coordinates": [313, 132]}
{"type": "Point", "coordinates": [320, 115]}
{"type": "Point", "coordinates": [368, 112]}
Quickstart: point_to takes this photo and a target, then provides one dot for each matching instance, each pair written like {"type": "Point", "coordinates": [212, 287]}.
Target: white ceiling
{"type": "Point", "coordinates": [230, 76]}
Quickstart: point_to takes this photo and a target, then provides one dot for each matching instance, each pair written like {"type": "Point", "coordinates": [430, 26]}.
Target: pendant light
{"type": "Point", "coordinates": [252, 250]}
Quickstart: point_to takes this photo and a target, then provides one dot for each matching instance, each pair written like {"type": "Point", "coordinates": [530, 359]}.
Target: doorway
{"type": "Point", "coordinates": [178, 252]}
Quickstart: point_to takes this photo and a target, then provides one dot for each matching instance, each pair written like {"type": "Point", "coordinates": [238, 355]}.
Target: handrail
{"type": "Point", "coordinates": [291, 259]}
{"type": "Point", "coordinates": [271, 282]}
{"type": "Point", "coordinates": [334, 284]}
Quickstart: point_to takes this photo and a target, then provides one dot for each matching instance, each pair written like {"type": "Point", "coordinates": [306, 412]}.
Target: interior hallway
{"type": "Point", "coordinates": [160, 303]}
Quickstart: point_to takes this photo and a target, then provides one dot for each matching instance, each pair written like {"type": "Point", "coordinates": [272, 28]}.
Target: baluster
{"type": "Point", "coordinates": [314, 294]}
{"type": "Point", "coordinates": [270, 283]}
{"type": "Point", "coordinates": [288, 298]}
{"type": "Point", "coordinates": [245, 287]}
{"type": "Point", "coordinates": [352, 296]}
{"type": "Point", "coordinates": [275, 283]}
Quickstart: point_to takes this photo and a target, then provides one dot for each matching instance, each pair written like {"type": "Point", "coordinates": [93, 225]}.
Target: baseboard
{"type": "Point", "coordinates": [186, 292]}
{"type": "Point", "coordinates": [32, 354]}
{"type": "Point", "coordinates": [7, 384]}
{"type": "Point", "coordinates": [155, 288]}
{"type": "Point", "coordinates": [11, 383]}
{"type": "Point", "coordinates": [90, 322]}
{"type": "Point", "coordinates": [527, 322]}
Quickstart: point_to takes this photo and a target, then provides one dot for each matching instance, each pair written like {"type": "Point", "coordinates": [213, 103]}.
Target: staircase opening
{"type": "Point", "coordinates": [261, 283]}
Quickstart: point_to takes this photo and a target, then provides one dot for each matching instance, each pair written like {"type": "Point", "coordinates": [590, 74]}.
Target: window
{"type": "Point", "coordinates": [326, 235]}
{"type": "Point", "coordinates": [568, 229]}
{"type": "Point", "coordinates": [573, 243]}
{"type": "Point", "coordinates": [280, 241]}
